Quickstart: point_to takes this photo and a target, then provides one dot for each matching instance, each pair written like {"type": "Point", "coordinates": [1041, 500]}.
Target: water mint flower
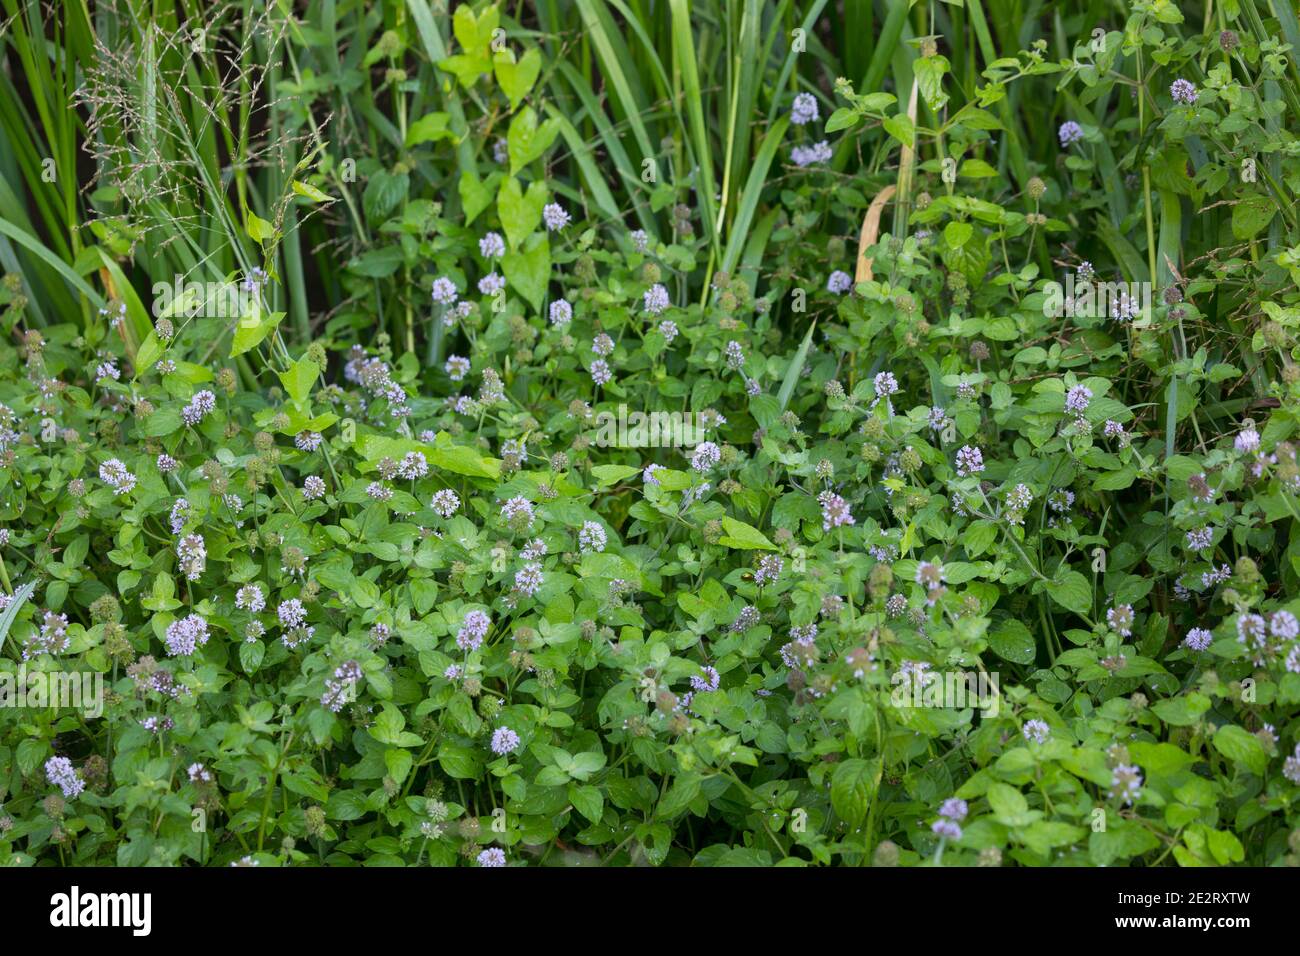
{"type": "Point", "coordinates": [1070, 133]}
{"type": "Point", "coordinates": [1183, 91]}
{"type": "Point", "coordinates": [804, 110]}
{"type": "Point", "coordinates": [656, 299]}
{"type": "Point", "coordinates": [554, 216]}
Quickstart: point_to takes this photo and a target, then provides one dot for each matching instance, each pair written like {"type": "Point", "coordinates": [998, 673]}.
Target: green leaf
{"type": "Point", "coordinates": [299, 378]}
{"type": "Point", "coordinates": [526, 141]}
{"type": "Point", "coordinates": [429, 128]}
{"type": "Point", "coordinates": [1072, 591]}
{"type": "Point", "coordinates": [521, 213]}
{"type": "Point", "coordinates": [900, 127]}
{"type": "Point", "coordinates": [852, 785]}
{"type": "Point", "coordinates": [1251, 216]}
{"type": "Point", "coordinates": [251, 330]}
{"type": "Point", "coordinates": [1241, 747]}
{"type": "Point", "coordinates": [475, 194]}
{"type": "Point", "coordinates": [737, 534]}
{"type": "Point", "coordinates": [516, 79]}
{"type": "Point", "coordinates": [528, 269]}
{"type": "Point", "coordinates": [588, 801]}
{"type": "Point", "coordinates": [1012, 641]}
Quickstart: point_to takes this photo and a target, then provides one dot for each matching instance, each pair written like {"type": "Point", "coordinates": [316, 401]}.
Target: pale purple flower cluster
{"type": "Point", "coordinates": [1077, 399]}
{"type": "Point", "coordinates": [1198, 639]}
{"type": "Point", "coordinates": [473, 629]}
{"type": "Point", "coordinates": [803, 156]}
{"type": "Point", "coordinates": [709, 681]}
{"type": "Point", "coordinates": [250, 598]}
{"type": "Point", "coordinates": [186, 635]}
{"type": "Point", "coordinates": [313, 487]}
{"type": "Point", "coordinates": [445, 502]}
{"type": "Point", "coordinates": [1291, 766]}
{"type": "Point", "coordinates": [1126, 782]}
{"type": "Point", "coordinates": [1199, 539]}
{"type": "Point", "coordinates": [835, 511]}
{"type": "Point", "coordinates": [308, 440]}
{"type": "Point", "coordinates": [1183, 91]}
{"type": "Point", "coordinates": [504, 741]}
{"type": "Point", "coordinates": [600, 372]}
{"type": "Point", "coordinates": [769, 569]}
{"type": "Point", "coordinates": [291, 613]}
{"type": "Point", "coordinates": [60, 772]}
{"type": "Point", "coordinates": [413, 466]}
{"type": "Point", "coordinates": [202, 404]}
{"type": "Point", "coordinates": [970, 461]}
{"type": "Point", "coordinates": [50, 638]}
{"type": "Point", "coordinates": [561, 313]}
{"type": "Point", "coordinates": [735, 355]}
{"type": "Point", "coordinates": [456, 367]}
{"type": "Point", "coordinates": [1036, 730]}
{"type": "Point", "coordinates": [655, 299]}
{"type": "Point", "coordinates": [554, 216]}
{"type": "Point", "coordinates": [491, 284]}
{"type": "Point", "coordinates": [192, 555]}
{"type": "Point", "coordinates": [839, 282]}
{"type": "Point", "coordinates": [1069, 133]}
{"type": "Point", "coordinates": [492, 246]}
{"type": "Point", "coordinates": [602, 344]}
{"type": "Point", "coordinates": [529, 578]}
{"type": "Point", "coordinates": [114, 474]}
{"type": "Point", "coordinates": [706, 455]}
{"type": "Point", "coordinates": [342, 688]}
{"type": "Point", "coordinates": [444, 291]}
{"type": "Point", "coordinates": [517, 511]}
{"type": "Point", "coordinates": [1121, 618]}
{"type": "Point", "coordinates": [804, 110]}
{"type": "Point", "coordinates": [492, 856]}
{"type": "Point", "coordinates": [591, 537]}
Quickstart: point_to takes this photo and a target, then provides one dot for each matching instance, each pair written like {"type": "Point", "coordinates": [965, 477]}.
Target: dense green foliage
{"type": "Point", "coordinates": [971, 329]}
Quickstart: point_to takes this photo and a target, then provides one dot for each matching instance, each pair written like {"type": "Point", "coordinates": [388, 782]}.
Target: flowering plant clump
{"type": "Point", "coordinates": [846, 486]}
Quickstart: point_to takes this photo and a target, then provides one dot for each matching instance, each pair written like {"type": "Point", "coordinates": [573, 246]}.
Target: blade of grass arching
{"type": "Point", "coordinates": [755, 247]}
{"type": "Point", "coordinates": [745, 76]}
{"type": "Point", "coordinates": [581, 151]}
{"type": "Point", "coordinates": [22, 594]}
{"type": "Point", "coordinates": [1130, 260]}
{"type": "Point", "coordinates": [436, 50]}
{"type": "Point", "coordinates": [20, 142]}
{"type": "Point", "coordinates": [906, 171]}
{"type": "Point", "coordinates": [684, 51]}
{"type": "Point", "coordinates": [787, 68]}
{"type": "Point", "coordinates": [795, 371]}
{"type": "Point", "coordinates": [1014, 140]}
{"type": "Point", "coordinates": [630, 176]}
{"type": "Point", "coordinates": [887, 44]}
{"type": "Point", "coordinates": [34, 245]}
{"type": "Point", "coordinates": [613, 54]}
{"type": "Point", "coordinates": [1116, 195]}
{"type": "Point", "coordinates": [857, 36]}
{"type": "Point", "coordinates": [738, 233]}
{"type": "Point", "coordinates": [44, 286]}
{"type": "Point", "coordinates": [650, 51]}
{"type": "Point", "coordinates": [1285, 14]}
{"type": "Point", "coordinates": [137, 326]}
